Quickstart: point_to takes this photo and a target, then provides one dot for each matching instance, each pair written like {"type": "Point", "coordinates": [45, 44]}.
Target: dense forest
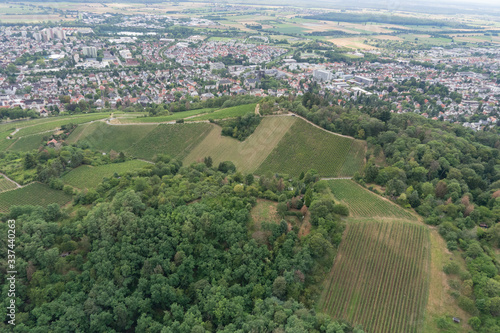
{"type": "Point", "coordinates": [449, 174]}
{"type": "Point", "coordinates": [168, 248]}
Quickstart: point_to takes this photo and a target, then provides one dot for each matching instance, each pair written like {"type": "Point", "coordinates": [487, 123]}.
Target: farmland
{"type": "Point", "coordinates": [232, 112]}
{"type": "Point", "coordinates": [172, 117]}
{"type": "Point", "coordinates": [88, 177]}
{"type": "Point", "coordinates": [362, 202]}
{"type": "Point", "coordinates": [355, 160]}
{"type": "Point", "coordinates": [311, 148]}
{"type": "Point", "coordinates": [379, 278]}
{"type": "Point", "coordinates": [246, 155]}
{"type": "Point", "coordinates": [6, 184]}
{"type": "Point", "coordinates": [174, 140]}
{"type": "Point", "coordinates": [33, 194]}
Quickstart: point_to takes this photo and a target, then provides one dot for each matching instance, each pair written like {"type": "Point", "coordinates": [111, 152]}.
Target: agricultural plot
{"type": "Point", "coordinates": [36, 194]}
{"type": "Point", "coordinates": [172, 117]}
{"type": "Point", "coordinates": [307, 147]}
{"type": "Point", "coordinates": [89, 177]}
{"type": "Point", "coordinates": [246, 155]}
{"type": "Point", "coordinates": [6, 184]}
{"type": "Point", "coordinates": [174, 140]}
{"type": "Point", "coordinates": [52, 125]}
{"type": "Point", "coordinates": [27, 143]}
{"type": "Point", "coordinates": [363, 203]}
{"type": "Point", "coordinates": [355, 160]}
{"type": "Point", "coordinates": [380, 277]}
{"type": "Point", "coordinates": [105, 137]}
{"type": "Point", "coordinates": [232, 112]}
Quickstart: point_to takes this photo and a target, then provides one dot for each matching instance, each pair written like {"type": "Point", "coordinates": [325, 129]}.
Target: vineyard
{"type": "Point", "coordinates": [33, 194]}
{"type": "Point", "coordinates": [89, 177]}
{"type": "Point", "coordinates": [29, 142]}
{"type": "Point", "coordinates": [246, 155]}
{"type": "Point", "coordinates": [174, 140]}
{"type": "Point", "coordinates": [6, 184]}
{"type": "Point", "coordinates": [306, 147]}
{"type": "Point", "coordinates": [362, 202]}
{"type": "Point", "coordinates": [355, 160]}
{"type": "Point", "coordinates": [172, 117]}
{"type": "Point", "coordinates": [380, 277]}
{"type": "Point", "coordinates": [232, 112]}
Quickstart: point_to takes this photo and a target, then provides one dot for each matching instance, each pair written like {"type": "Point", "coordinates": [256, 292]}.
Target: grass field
{"type": "Point", "coordinates": [88, 177]}
{"type": "Point", "coordinates": [174, 140]}
{"type": "Point", "coordinates": [307, 147]}
{"type": "Point", "coordinates": [172, 117]}
{"type": "Point", "coordinates": [246, 155]}
{"type": "Point", "coordinates": [6, 184]}
{"type": "Point", "coordinates": [363, 203]}
{"type": "Point", "coordinates": [36, 194]}
{"type": "Point", "coordinates": [380, 276]}
{"type": "Point", "coordinates": [232, 112]}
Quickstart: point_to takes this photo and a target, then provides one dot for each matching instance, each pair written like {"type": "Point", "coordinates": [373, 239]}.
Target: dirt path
{"type": "Point", "coordinates": [333, 178]}
{"type": "Point", "coordinates": [257, 109]}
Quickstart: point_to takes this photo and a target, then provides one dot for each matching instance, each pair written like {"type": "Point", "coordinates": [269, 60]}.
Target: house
{"type": "Point", "coordinates": [251, 83]}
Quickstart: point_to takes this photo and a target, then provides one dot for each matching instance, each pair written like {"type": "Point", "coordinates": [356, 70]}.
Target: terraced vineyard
{"type": "Point", "coordinates": [172, 117]}
{"type": "Point", "coordinates": [33, 194]}
{"type": "Point", "coordinates": [6, 184]}
{"type": "Point", "coordinates": [307, 147]}
{"type": "Point", "coordinates": [362, 202]}
{"type": "Point", "coordinates": [379, 278]}
{"type": "Point", "coordinates": [88, 177]}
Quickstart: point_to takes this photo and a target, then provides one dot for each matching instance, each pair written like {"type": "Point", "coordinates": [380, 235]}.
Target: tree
{"type": "Point", "coordinates": [279, 287]}
{"type": "Point", "coordinates": [208, 161]}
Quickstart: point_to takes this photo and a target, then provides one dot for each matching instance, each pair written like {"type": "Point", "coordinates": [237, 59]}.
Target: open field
{"type": "Point", "coordinates": [232, 112]}
{"type": "Point", "coordinates": [172, 117]}
{"type": "Point", "coordinates": [352, 42]}
{"type": "Point", "coordinates": [380, 276]}
{"type": "Point", "coordinates": [87, 176]}
{"type": "Point", "coordinates": [174, 140]}
{"type": "Point", "coordinates": [33, 194]}
{"type": "Point", "coordinates": [362, 202]}
{"type": "Point", "coordinates": [6, 184]}
{"type": "Point", "coordinates": [306, 147]}
{"type": "Point", "coordinates": [246, 155]}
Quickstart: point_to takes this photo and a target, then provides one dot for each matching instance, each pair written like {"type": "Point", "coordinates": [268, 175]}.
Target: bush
{"type": "Point", "coordinates": [466, 304]}
{"type": "Point", "coordinates": [341, 209]}
{"type": "Point", "coordinates": [451, 268]}
{"type": "Point", "coordinates": [68, 189]}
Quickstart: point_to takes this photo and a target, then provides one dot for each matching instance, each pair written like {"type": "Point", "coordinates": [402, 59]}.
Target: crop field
{"type": "Point", "coordinates": [306, 147]}
{"type": "Point", "coordinates": [105, 137]}
{"type": "Point", "coordinates": [362, 202]}
{"type": "Point", "coordinates": [34, 194]}
{"type": "Point", "coordinates": [246, 155]}
{"type": "Point", "coordinates": [355, 160]}
{"type": "Point", "coordinates": [380, 277]}
{"type": "Point", "coordinates": [89, 177]}
{"type": "Point", "coordinates": [56, 123]}
{"type": "Point", "coordinates": [172, 117]}
{"type": "Point", "coordinates": [232, 112]}
{"type": "Point", "coordinates": [174, 140]}
{"type": "Point", "coordinates": [6, 184]}
{"type": "Point", "coordinates": [27, 143]}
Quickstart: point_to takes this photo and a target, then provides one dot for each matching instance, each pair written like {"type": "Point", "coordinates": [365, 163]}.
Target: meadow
{"type": "Point", "coordinates": [307, 147]}
{"type": "Point", "coordinates": [362, 202]}
{"type": "Point", "coordinates": [246, 155]}
{"type": "Point", "coordinates": [33, 194]}
{"type": "Point", "coordinates": [87, 177]}
{"type": "Point", "coordinates": [380, 276]}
